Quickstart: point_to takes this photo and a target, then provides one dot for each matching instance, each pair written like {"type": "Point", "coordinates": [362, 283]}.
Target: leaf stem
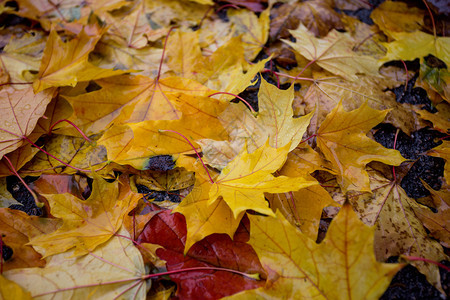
{"type": "Point", "coordinates": [8, 83]}
{"type": "Point", "coordinates": [307, 139]}
{"type": "Point", "coordinates": [14, 171]}
{"type": "Point", "coordinates": [395, 145]}
{"type": "Point", "coordinates": [73, 125]}
{"type": "Point", "coordinates": [54, 157]}
{"type": "Point", "coordinates": [198, 155]}
{"type": "Point", "coordinates": [407, 74]}
{"type": "Point", "coordinates": [240, 98]}
{"type": "Point", "coordinates": [432, 18]}
{"type": "Point", "coordinates": [163, 54]}
{"type": "Point", "coordinates": [252, 276]}
{"type": "Point", "coordinates": [415, 258]}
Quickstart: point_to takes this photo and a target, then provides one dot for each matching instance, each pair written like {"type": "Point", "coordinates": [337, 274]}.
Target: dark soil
{"type": "Point", "coordinates": [160, 163]}
{"type": "Point", "coordinates": [410, 284]}
{"type": "Point", "coordinates": [22, 195]}
{"type": "Point", "coordinates": [428, 168]}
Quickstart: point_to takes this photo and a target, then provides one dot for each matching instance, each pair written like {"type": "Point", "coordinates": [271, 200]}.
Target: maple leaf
{"type": "Point", "coordinates": [244, 180]}
{"type": "Point", "coordinates": [299, 268]}
{"type": "Point", "coordinates": [125, 143]}
{"type": "Point", "coordinates": [113, 270]}
{"type": "Point", "coordinates": [325, 93]}
{"type": "Point", "coordinates": [412, 45]}
{"type": "Point", "coordinates": [342, 139]}
{"type": "Point", "coordinates": [218, 250]}
{"type": "Point", "coordinates": [439, 119]}
{"type": "Point", "coordinates": [443, 151]}
{"type": "Point", "coordinates": [302, 208]}
{"type": "Point", "coordinates": [203, 219]}
{"type": "Point", "coordinates": [22, 55]}
{"type": "Point", "coordinates": [20, 110]}
{"type": "Point", "coordinates": [397, 17]}
{"type": "Point", "coordinates": [254, 30]}
{"type": "Point", "coordinates": [436, 79]}
{"type": "Point", "coordinates": [333, 53]}
{"type": "Point", "coordinates": [131, 27]}
{"type": "Point", "coordinates": [67, 63]}
{"type": "Point", "coordinates": [90, 223]}
{"type": "Point", "coordinates": [275, 121]}
{"type": "Point", "coordinates": [16, 228]}
{"type": "Point", "coordinates": [399, 231]}
{"type": "Point", "coordinates": [18, 158]}
{"type": "Point", "coordinates": [437, 223]}
{"type": "Point", "coordinates": [318, 16]}
{"type": "Point", "coordinates": [131, 99]}
{"type": "Point", "coordinates": [76, 152]}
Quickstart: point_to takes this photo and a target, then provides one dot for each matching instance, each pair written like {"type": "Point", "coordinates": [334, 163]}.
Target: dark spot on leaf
{"type": "Point", "coordinates": [158, 196]}
{"type": "Point", "coordinates": [7, 252]}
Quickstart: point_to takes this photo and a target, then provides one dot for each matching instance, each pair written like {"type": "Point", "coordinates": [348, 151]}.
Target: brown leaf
{"type": "Point", "coordinates": [317, 15]}
{"type": "Point", "coordinates": [399, 231]}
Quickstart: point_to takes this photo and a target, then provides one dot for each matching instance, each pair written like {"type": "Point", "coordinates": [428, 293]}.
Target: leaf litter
{"type": "Point", "coordinates": [148, 165]}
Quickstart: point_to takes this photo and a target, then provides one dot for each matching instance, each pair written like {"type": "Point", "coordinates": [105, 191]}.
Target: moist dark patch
{"type": "Point", "coordinates": [22, 195]}
{"type": "Point", "coordinates": [158, 196]}
{"type": "Point", "coordinates": [413, 95]}
{"type": "Point", "coordinates": [428, 168]}
{"type": "Point", "coordinates": [160, 163]}
{"type": "Point", "coordinates": [409, 283]}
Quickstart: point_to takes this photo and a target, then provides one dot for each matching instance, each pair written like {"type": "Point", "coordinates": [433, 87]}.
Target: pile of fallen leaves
{"type": "Point", "coordinates": [201, 148]}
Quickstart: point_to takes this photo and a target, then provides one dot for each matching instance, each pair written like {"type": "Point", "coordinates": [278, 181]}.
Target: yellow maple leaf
{"type": "Point", "coordinates": [334, 53]}
{"type": "Point", "coordinates": [397, 17]}
{"type": "Point", "coordinates": [412, 45]}
{"type": "Point", "coordinates": [274, 121]}
{"type": "Point", "coordinates": [342, 139]}
{"type": "Point", "coordinates": [67, 63]}
{"type": "Point", "coordinates": [134, 143]}
{"type": "Point", "coordinates": [113, 270]}
{"type": "Point", "coordinates": [131, 99]}
{"type": "Point", "coordinates": [244, 180]}
{"type": "Point", "coordinates": [87, 223]}
{"type": "Point", "coordinates": [343, 266]}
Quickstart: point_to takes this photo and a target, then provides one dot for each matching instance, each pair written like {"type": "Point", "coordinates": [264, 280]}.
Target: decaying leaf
{"type": "Point", "coordinates": [397, 17]}
{"type": "Point", "coordinates": [342, 139]}
{"type": "Point", "coordinates": [437, 223]}
{"type": "Point", "coordinates": [399, 231]}
{"type": "Point", "coordinates": [443, 151]}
